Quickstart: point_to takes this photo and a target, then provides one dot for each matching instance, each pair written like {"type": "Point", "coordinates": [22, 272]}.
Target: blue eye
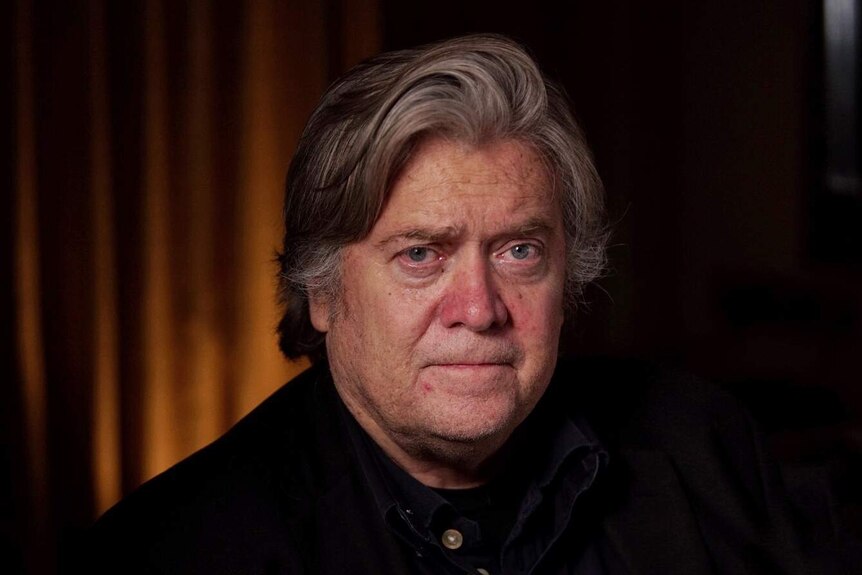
{"type": "Point", "coordinates": [418, 254]}
{"type": "Point", "coordinates": [521, 251]}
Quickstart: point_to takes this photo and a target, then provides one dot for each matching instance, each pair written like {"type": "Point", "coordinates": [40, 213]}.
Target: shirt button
{"type": "Point", "coordinates": [483, 571]}
{"type": "Point", "coordinates": [452, 539]}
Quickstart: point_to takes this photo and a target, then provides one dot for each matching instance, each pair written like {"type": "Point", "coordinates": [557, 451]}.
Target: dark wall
{"type": "Point", "coordinates": [702, 117]}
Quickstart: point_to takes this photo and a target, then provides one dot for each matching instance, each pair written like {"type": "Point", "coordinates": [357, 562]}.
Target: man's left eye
{"type": "Point", "coordinates": [522, 251]}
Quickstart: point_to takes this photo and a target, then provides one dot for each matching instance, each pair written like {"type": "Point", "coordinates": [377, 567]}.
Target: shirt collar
{"type": "Point", "coordinates": [399, 497]}
{"type": "Point", "coordinates": [410, 508]}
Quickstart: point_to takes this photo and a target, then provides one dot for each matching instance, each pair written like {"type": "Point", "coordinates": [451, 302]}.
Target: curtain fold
{"type": "Point", "coordinates": [29, 475]}
{"type": "Point", "coordinates": [151, 143]}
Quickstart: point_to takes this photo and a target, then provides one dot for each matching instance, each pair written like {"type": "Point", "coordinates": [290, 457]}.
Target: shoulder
{"type": "Point", "coordinates": [689, 444]}
{"type": "Point", "coordinates": [644, 413]}
{"type": "Point", "coordinates": [241, 492]}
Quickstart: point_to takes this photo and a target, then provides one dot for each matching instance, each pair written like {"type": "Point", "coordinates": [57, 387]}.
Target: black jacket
{"type": "Point", "coordinates": [686, 491]}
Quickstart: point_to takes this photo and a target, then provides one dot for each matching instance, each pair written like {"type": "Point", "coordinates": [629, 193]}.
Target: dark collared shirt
{"type": "Point", "coordinates": [507, 526]}
{"type": "Point", "coordinates": [288, 492]}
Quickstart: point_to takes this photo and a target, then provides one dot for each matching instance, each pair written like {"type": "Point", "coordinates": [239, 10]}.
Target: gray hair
{"type": "Point", "coordinates": [475, 89]}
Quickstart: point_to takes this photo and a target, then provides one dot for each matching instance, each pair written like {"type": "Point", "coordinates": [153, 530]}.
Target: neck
{"type": "Point", "coordinates": [457, 468]}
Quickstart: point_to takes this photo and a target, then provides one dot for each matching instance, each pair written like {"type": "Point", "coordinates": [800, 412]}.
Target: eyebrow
{"type": "Point", "coordinates": [427, 235]}
{"type": "Point", "coordinates": [531, 227]}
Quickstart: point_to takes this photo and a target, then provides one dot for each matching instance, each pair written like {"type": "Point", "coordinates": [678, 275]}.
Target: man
{"type": "Point", "coordinates": [442, 215]}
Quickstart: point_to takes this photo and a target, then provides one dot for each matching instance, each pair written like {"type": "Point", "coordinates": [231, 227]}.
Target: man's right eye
{"type": "Point", "coordinates": [420, 261]}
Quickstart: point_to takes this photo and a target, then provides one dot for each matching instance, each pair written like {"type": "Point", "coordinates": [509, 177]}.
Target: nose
{"type": "Point", "coordinates": [472, 299]}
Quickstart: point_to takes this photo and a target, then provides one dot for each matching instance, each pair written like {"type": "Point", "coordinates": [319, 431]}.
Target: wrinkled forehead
{"type": "Point", "coordinates": [447, 167]}
{"type": "Point", "coordinates": [450, 184]}
{"type": "Point", "coordinates": [510, 158]}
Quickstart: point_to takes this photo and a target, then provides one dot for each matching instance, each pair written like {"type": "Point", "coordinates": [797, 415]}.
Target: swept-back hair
{"type": "Point", "coordinates": [476, 90]}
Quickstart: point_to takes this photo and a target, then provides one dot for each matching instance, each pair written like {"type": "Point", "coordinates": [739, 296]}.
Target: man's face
{"type": "Point", "coordinates": [446, 332]}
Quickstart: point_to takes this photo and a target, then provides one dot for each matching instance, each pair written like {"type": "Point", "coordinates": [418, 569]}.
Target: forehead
{"type": "Point", "coordinates": [442, 160]}
{"type": "Point", "coordinates": [457, 183]}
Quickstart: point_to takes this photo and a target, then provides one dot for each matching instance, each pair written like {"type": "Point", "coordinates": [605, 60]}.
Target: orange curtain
{"type": "Point", "coordinates": [151, 139]}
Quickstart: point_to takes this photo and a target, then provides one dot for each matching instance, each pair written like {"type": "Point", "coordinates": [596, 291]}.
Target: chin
{"type": "Point", "coordinates": [475, 424]}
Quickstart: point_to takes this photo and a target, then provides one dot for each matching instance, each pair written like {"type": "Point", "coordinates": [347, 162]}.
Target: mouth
{"type": "Point", "coordinates": [473, 360]}
{"type": "Point", "coordinates": [469, 368]}
{"type": "Point", "coordinates": [490, 358]}
{"type": "Point", "coordinates": [470, 364]}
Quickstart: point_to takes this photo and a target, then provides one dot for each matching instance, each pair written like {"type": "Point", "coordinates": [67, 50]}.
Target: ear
{"type": "Point", "coordinates": [319, 309]}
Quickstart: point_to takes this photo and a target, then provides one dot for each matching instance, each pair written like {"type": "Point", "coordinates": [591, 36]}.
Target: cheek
{"type": "Point", "coordinates": [401, 316]}
{"type": "Point", "coordinates": [537, 331]}
{"type": "Point", "coordinates": [536, 312]}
